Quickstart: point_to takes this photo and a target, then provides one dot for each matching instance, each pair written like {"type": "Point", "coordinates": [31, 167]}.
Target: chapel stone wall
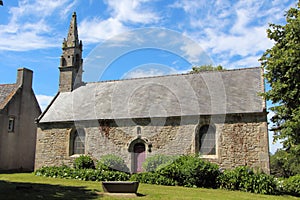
{"type": "Point", "coordinates": [242, 139]}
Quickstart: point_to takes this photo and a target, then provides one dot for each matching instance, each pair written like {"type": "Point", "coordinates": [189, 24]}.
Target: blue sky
{"type": "Point", "coordinates": [229, 33]}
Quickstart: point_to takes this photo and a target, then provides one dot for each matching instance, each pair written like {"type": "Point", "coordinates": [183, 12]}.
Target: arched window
{"type": "Point", "coordinates": [207, 140]}
{"type": "Point", "coordinates": [78, 142]}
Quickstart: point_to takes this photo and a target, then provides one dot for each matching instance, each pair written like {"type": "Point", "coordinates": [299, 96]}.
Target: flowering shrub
{"type": "Point", "coordinates": [244, 179]}
{"type": "Point", "coordinates": [292, 185]}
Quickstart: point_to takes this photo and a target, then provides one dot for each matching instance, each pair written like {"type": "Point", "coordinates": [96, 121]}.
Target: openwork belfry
{"type": "Point", "coordinates": [218, 115]}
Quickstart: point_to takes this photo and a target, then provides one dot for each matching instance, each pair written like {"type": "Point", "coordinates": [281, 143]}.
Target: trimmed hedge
{"type": "Point", "coordinates": [152, 178]}
{"type": "Point", "coordinates": [82, 174]}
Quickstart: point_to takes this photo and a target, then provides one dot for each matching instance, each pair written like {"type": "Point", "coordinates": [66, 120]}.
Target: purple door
{"type": "Point", "coordinates": [139, 156]}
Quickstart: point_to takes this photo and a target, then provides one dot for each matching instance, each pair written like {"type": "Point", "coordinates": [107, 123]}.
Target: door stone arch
{"type": "Point", "coordinates": [138, 149]}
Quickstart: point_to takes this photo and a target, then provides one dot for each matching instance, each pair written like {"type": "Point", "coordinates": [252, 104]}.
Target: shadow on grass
{"type": "Point", "coordinates": [15, 190]}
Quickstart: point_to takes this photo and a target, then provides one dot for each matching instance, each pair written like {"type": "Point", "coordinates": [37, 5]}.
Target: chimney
{"type": "Point", "coordinates": [24, 78]}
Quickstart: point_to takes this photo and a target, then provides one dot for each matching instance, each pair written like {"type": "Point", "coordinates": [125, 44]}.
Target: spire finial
{"type": "Point", "coordinates": [72, 38]}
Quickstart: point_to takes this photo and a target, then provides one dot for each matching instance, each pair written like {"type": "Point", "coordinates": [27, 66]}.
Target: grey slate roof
{"type": "Point", "coordinates": [7, 91]}
{"type": "Point", "coordinates": [205, 93]}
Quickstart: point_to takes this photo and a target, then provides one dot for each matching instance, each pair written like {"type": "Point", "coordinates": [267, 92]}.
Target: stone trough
{"type": "Point", "coordinates": [120, 187]}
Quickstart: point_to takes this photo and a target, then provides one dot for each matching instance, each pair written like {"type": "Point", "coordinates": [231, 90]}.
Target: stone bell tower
{"type": "Point", "coordinates": [71, 60]}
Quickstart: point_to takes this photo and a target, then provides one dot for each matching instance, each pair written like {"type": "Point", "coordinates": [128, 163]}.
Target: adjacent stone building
{"type": "Point", "coordinates": [18, 111]}
{"type": "Point", "coordinates": [218, 115]}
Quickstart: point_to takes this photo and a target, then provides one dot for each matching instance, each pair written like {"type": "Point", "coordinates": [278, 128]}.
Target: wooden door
{"type": "Point", "coordinates": [140, 156]}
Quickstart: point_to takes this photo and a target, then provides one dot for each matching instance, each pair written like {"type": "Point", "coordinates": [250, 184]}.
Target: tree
{"type": "Point", "coordinates": [284, 164]}
{"type": "Point", "coordinates": [282, 72]}
{"type": "Point", "coordinates": [197, 69]}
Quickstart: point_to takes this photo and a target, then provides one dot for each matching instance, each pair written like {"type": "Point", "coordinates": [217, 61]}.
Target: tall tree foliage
{"type": "Point", "coordinates": [282, 67]}
{"type": "Point", "coordinates": [284, 164]}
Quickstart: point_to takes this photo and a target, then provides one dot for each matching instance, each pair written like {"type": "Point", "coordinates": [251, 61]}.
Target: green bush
{"type": "Point", "coordinates": [244, 179]}
{"type": "Point", "coordinates": [191, 171]}
{"type": "Point", "coordinates": [82, 174]}
{"type": "Point", "coordinates": [264, 184]}
{"type": "Point", "coordinates": [54, 171]}
{"type": "Point", "coordinates": [292, 185]}
{"type": "Point", "coordinates": [156, 161]}
{"type": "Point", "coordinates": [152, 178]}
{"type": "Point", "coordinates": [232, 179]}
{"type": "Point", "coordinates": [84, 162]}
{"type": "Point", "coordinates": [112, 162]}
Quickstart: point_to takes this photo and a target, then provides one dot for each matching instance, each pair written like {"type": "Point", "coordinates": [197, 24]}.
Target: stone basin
{"type": "Point", "coordinates": [120, 186]}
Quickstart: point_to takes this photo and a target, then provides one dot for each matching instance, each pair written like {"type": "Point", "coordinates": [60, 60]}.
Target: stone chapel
{"type": "Point", "coordinates": [216, 114]}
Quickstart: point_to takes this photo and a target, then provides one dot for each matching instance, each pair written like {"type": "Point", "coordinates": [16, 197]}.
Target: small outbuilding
{"type": "Point", "coordinates": [18, 111]}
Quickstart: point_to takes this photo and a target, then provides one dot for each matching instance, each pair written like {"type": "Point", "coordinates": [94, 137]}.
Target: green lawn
{"type": "Point", "coordinates": [28, 186]}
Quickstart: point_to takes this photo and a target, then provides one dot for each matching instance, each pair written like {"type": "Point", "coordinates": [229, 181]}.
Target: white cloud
{"type": "Point", "coordinates": [245, 43]}
{"type": "Point", "coordinates": [23, 41]}
{"type": "Point", "coordinates": [249, 61]}
{"type": "Point", "coordinates": [270, 114]}
{"type": "Point", "coordinates": [243, 40]}
{"type": "Point", "coordinates": [44, 100]}
{"type": "Point", "coordinates": [203, 14]}
{"type": "Point", "coordinates": [150, 70]}
{"type": "Point", "coordinates": [29, 27]}
{"type": "Point", "coordinates": [232, 28]}
{"type": "Point", "coordinates": [272, 145]}
{"type": "Point", "coordinates": [189, 6]}
{"type": "Point", "coordinates": [69, 7]}
{"type": "Point", "coordinates": [192, 51]}
{"type": "Point", "coordinates": [38, 8]}
{"type": "Point", "coordinates": [143, 73]}
{"type": "Point", "coordinates": [96, 30]}
{"type": "Point", "coordinates": [134, 11]}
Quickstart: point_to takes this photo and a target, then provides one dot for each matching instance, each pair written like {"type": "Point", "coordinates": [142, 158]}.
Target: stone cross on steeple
{"type": "Point", "coordinates": [71, 59]}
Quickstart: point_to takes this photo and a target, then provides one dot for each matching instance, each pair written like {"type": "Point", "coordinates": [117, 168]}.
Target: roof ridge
{"type": "Point", "coordinates": [170, 75]}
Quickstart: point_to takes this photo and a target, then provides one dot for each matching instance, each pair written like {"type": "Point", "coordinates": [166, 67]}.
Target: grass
{"type": "Point", "coordinates": [28, 186]}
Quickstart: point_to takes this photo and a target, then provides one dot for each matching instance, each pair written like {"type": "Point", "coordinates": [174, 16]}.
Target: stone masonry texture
{"type": "Point", "coordinates": [241, 139]}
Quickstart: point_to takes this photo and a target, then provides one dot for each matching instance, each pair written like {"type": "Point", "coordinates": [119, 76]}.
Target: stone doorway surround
{"type": "Point", "coordinates": [138, 149]}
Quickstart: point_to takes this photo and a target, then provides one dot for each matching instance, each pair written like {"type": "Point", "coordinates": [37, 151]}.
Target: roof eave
{"type": "Point", "coordinates": [47, 108]}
